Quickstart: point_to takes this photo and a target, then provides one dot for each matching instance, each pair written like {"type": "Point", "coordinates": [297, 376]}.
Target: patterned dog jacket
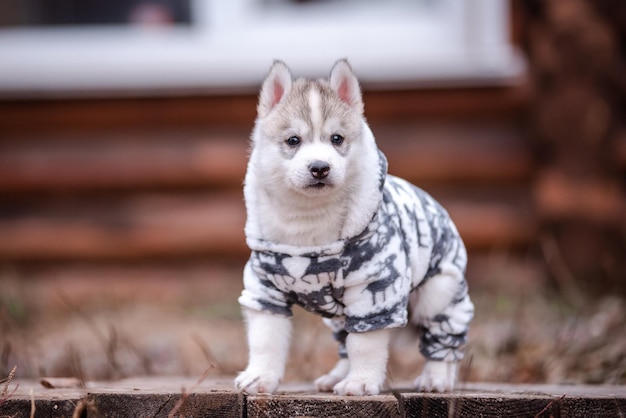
{"type": "Point", "coordinates": [363, 283]}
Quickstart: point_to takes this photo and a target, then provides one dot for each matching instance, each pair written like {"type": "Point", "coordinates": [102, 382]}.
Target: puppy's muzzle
{"type": "Point", "coordinates": [319, 169]}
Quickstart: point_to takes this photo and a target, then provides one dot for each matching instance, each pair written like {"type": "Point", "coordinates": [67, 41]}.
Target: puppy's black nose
{"type": "Point", "coordinates": [319, 169]}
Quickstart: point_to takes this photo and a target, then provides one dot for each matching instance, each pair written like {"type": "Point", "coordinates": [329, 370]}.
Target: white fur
{"type": "Point", "coordinates": [437, 376]}
{"type": "Point", "coordinates": [315, 105]}
{"type": "Point", "coordinates": [432, 297]}
{"type": "Point", "coordinates": [343, 81]}
{"type": "Point", "coordinates": [276, 86]}
{"type": "Point", "coordinates": [281, 208]}
{"type": "Point", "coordinates": [326, 382]}
{"type": "Point", "coordinates": [300, 176]}
{"type": "Point", "coordinates": [291, 218]}
{"type": "Point", "coordinates": [268, 342]}
{"type": "Point", "coordinates": [368, 352]}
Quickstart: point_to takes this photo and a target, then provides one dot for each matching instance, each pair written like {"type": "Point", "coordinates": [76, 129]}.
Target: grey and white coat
{"type": "Point", "coordinates": [370, 281]}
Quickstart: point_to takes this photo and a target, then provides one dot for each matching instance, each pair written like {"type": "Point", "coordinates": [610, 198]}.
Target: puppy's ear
{"type": "Point", "coordinates": [276, 86]}
{"type": "Point", "coordinates": [344, 83]}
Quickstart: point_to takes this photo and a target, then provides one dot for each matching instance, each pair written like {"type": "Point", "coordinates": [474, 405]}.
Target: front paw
{"type": "Point", "coordinates": [437, 376]}
{"type": "Point", "coordinates": [327, 382]}
{"type": "Point", "coordinates": [358, 387]}
{"type": "Point", "coordinates": [253, 383]}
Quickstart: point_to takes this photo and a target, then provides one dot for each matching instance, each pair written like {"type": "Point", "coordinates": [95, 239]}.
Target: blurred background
{"type": "Point", "coordinates": [124, 131]}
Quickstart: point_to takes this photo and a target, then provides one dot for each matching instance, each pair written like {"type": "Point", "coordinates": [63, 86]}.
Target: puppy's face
{"type": "Point", "coordinates": [309, 132]}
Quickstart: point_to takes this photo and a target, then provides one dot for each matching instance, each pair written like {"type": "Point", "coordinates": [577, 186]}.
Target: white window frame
{"type": "Point", "coordinates": [232, 43]}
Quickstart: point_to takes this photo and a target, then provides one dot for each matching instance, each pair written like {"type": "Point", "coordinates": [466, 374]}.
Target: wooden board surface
{"type": "Point", "coordinates": [162, 397]}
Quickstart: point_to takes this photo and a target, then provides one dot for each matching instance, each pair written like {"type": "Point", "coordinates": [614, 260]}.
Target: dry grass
{"type": "Point", "coordinates": [6, 382]}
{"type": "Point", "coordinates": [523, 332]}
{"type": "Point", "coordinates": [186, 392]}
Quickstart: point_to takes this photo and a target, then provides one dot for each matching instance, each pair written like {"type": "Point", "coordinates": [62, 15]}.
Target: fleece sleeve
{"type": "Point", "coordinates": [262, 295]}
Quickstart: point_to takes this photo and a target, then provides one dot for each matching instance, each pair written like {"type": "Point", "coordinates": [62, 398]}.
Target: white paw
{"type": "Point", "coordinates": [437, 376]}
{"type": "Point", "coordinates": [254, 383]}
{"type": "Point", "coordinates": [357, 387]}
{"type": "Point", "coordinates": [326, 382]}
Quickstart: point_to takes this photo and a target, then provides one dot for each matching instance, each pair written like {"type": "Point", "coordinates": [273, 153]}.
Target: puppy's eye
{"type": "Point", "coordinates": [292, 141]}
{"type": "Point", "coordinates": [336, 139]}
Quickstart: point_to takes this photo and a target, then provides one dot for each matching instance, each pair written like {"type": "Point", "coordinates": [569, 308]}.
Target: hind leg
{"type": "Point", "coordinates": [443, 310]}
{"type": "Point", "coordinates": [437, 376]}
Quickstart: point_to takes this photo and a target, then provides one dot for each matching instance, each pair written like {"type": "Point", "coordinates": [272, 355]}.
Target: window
{"type": "Point", "coordinates": [171, 45]}
{"type": "Point", "coordinates": [94, 12]}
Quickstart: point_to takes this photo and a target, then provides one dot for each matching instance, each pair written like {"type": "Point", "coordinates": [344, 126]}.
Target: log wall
{"type": "Point", "coordinates": [537, 168]}
{"type": "Point", "coordinates": [139, 179]}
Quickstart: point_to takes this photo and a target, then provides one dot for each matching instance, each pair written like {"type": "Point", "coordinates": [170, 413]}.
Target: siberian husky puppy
{"type": "Point", "coordinates": [331, 231]}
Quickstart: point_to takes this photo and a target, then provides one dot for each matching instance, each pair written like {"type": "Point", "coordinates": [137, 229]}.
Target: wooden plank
{"type": "Point", "coordinates": [443, 406]}
{"type": "Point", "coordinates": [153, 397]}
{"type": "Point", "coordinates": [20, 407]}
{"type": "Point", "coordinates": [326, 406]}
{"type": "Point", "coordinates": [492, 225]}
{"type": "Point", "coordinates": [456, 152]}
{"type": "Point", "coordinates": [200, 224]}
{"type": "Point", "coordinates": [22, 117]}
{"type": "Point", "coordinates": [421, 153]}
{"type": "Point", "coordinates": [135, 227]}
{"type": "Point", "coordinates": [160, 396]}
{"type": "Point", "coordinates": [114, 163]}
{"type": "Point", "coordinates": [27, 116]}
{"type": "Point", "coordinates": [133, 404]}
{"type": "Point", "coordinates": [559, 196]}
{"type": "Point", "coordinates": [499, 103]}
{"type": "Point", "coordinates": [508, 400]}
